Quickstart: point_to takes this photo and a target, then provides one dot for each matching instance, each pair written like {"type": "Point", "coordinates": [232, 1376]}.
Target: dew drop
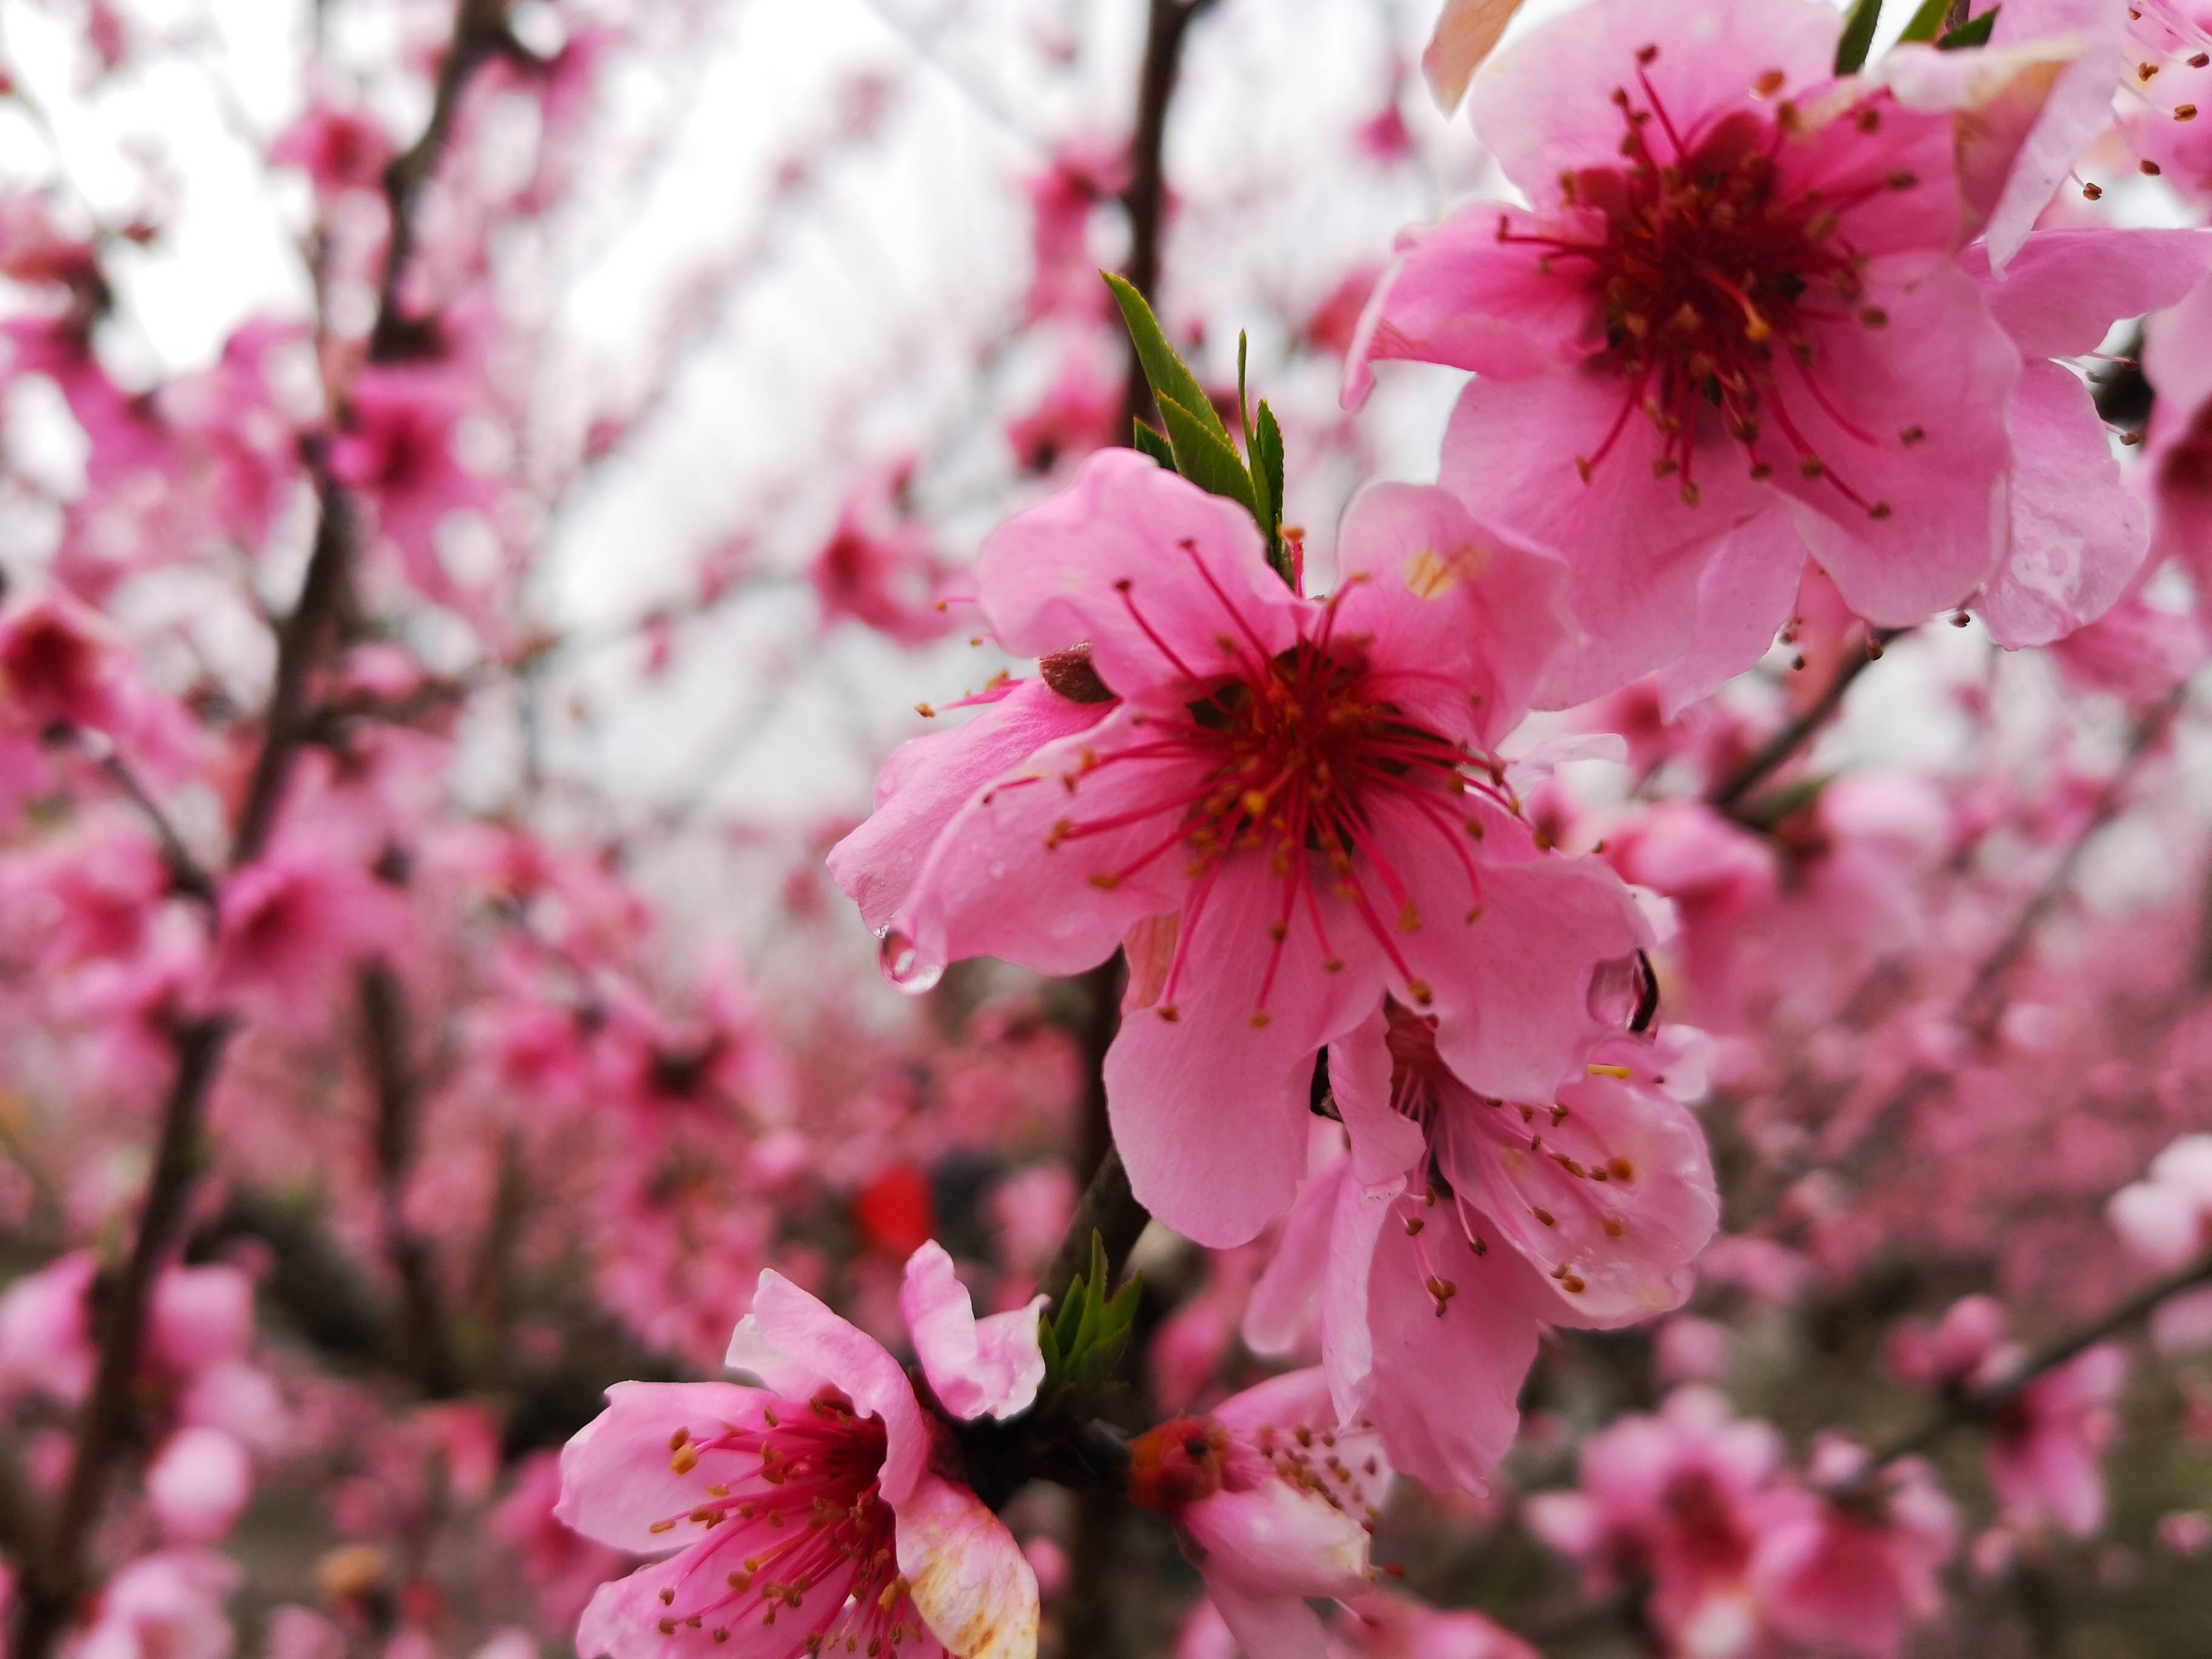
{"type": "Point", "coordinates": [901, 961]}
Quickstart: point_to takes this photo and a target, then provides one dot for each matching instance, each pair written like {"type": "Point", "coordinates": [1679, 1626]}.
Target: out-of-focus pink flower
{"type": "Point", "coordinates": [2177, 360]}
{"type": "Point", "coordinates": [165, 1605]}
{"type": "Point", "coordinates": [880, 569]}
{"type": "Point", "coordinates": [2165, 1219]}
{"type": "Point", "coordinates": [339, 149]}
{"type": "Point", "coordinates": [1288, 806]}
{"type": "Point", "coordinates": [563, 1567]}
{"type": "Point", "coordinates": [1274, 1501]}
{"type": "Point", "coordinates": [399, 449]}
{"type": "Point", "coordinates": [1683, 1500]}
{"type": "Point", "coordinates": [1063, 198]}
{"type": "Point", "coordinates": [1853, 1577]}
{"type": "Point", "coordinates": [2046, 1442]}
{"type": "Point", "coordinates": [1822, 380]}
{"type": "Point", "coordinates": [60, 666]}
{"type": "Point", "coordinates": [1077, 415]}
{"type": "Point", "coordinates": [290, 925]}
{"type": "Point", "coordinates": [45, 1330]}
{"type": "Point", "coordinates": [1457, 1226]}
{"type": "Point", "coordinates": [199, 1485]}
{"type": "Point", "coordinates": [891, 1550]}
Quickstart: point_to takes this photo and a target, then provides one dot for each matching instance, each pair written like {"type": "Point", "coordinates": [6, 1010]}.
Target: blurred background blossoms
{"type": "Point", "coordinates": [485, 488]}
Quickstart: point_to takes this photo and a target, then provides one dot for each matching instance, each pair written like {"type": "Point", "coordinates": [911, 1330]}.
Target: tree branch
{"type": "Point", "coordinates": [1975, 1406]}
{"type": "Point", "coordinates": [1727, 796]}
{"type": "Point", "coordinates": [54, 1574]}
{"type": "Point", "coordinates": [1145, 199]}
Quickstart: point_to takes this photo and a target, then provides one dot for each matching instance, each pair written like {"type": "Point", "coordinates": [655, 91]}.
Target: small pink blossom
{"type": "Point", "coordinates": [400, 450]}
{"type": "Point", "coordinates": [879, 569]}
{"type": "Point", "coordinates": [199, 1485]}
{"type": "Point", "coordinates": [289, 927]}
{"type": "Point", "coordinates": [1852, 1576]}
{"type": "Point", "coordinates": [1273, 1501]}
{"type": "Point", "coordinates": [1458, 1225]}
{"type": "Point", "coordinates": [2046, 1442]}
{"type": "Point", "coordinates": [1289, 806]}
{"type": "Point", "coordinates": [165, 1605]}
{"type": "Point", "coordinates": [896, 1548]}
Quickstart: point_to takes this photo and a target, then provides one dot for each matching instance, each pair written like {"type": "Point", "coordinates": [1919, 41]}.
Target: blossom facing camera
{"type": "Point", "coordinates": [820, 1511]}
{"type": "Point", "coordinates": [1288, 806]}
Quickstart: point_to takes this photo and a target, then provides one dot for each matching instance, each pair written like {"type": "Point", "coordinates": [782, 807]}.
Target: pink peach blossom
{"type": "Point", "coordinates": [1274, 1501]}
{"type": "Point", "coordinates": [1458, 1225]}
{"type": "Point", "coordinates": [1293, 802]}
{"type": "Point", "coordinates": [899, 1551]}
{"type": "Point", "coordinates": [1734, 312]}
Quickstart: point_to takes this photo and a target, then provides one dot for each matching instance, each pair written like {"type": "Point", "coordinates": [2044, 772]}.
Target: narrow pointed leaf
{"type": "Point", "coordinates": [1170, 376]}
{"type": "Point", "coordinates": [1974, 32]}
{"type": "Point", "coordinates": [1203, 455]}
{"type": "Point", "coordinates": [1154, 443]}
{"type": "Point", "coordinates": [1858, 38]}
{"type": "Point", "coordinates": [1927, 23]}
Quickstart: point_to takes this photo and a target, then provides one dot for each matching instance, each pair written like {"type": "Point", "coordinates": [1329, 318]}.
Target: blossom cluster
{"type": "Point", "coordinates": [1585, 1030]}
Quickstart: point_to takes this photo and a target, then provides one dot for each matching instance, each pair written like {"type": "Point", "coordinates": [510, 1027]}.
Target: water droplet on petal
{"type": "Point", "coordinates": [901, 960]}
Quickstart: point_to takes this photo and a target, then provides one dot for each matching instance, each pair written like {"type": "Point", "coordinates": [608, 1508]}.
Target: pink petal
{"type": "Point", "coordinates": [798, 1328]}
{"type": "Point", "coordinates": [1458, 293]}
{"type": "Point", "coordinates": [1473, 616]}
{"type": "Point", "coordinates": [1115, 560]}
{"type": "Point", "coordinates": [1635, 550]}
{"type": "Point", "coordinates": [624, 1621]}
{"type": "Point", "coordinates": [1659, 1194]}
{"type": "Point", "coordinates": [616, 1478]}
{"type": "Point", "coordinates": [1447, 1390]}
{"type": "Point", "coordinates": [2065, 288]}
{"type": "Point", "coordinates": [2076, 111]}
{"type": "Point", "coordinates": [1744, 598]}
{"type": "Point", "coordinates": [1513, 985]}
{"type": "Point", "coordinates": [1006, 879]}
{"type": "Point", "coordinates": [928, 779]}
{"type": "Point", "coordinates": [2079, 534]}
{"type": "Point", "coordinates": [1278, 1540]}
{"type": "Point", "coordinates": [1466, 33]}
{"type": "Point", "coordinates": [1940, 367]}
{"type": "Point", "coordinates": [1210, 1108]}
{"type": "Point", "coordinates": [1362, 1215]}
{"type": "Point", "coordinates": [967, 1576]}
{"type": "Point", "coordinates": [1279, 1315]}
{"type": "Point", "coordinates": [1543, 104]}
{"type": "Point", "coordinates": [975, 1367]}
{"type": "Point", "coordinates": [1386, 1143]}
{"type": "Point", "coordinates": [1276, 1626]}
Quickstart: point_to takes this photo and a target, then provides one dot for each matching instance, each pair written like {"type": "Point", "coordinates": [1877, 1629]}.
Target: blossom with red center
{"type": "Point", "coordinates": [821, 1511]}
{"type": "Point", "coordinates": [1458, 1225]}
{"type": "Point", "coordinates": [1730, 333]}
{"type": "Point", "coordinates": [1679, 1500]}
{"type": "Point", "coordinates": [1288, 806]}
{"type": "Point", "coordinates": [400, 449]}
{"type": "Point", "coordinates": [1274, 1502]}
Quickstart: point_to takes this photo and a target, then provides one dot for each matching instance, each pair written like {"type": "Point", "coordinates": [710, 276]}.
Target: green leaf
{"type": "Point", "coordinates": [1087, 1339]}
{"type": "Point", "coordinates": [1204, 456]}
{"type": "Point", "coordinates": [1858, 38]}
{"type": "Point", "coordinates": [1974, 32]}
{"type": "Point", "coordinates": [1265, 450]}
{"type": "Point", "coordinates": [1154, 443]}
{"type": "Point", "coordinates": [1169, 375]}
{"type": "Point", "coordinates": [1243, 404]}
{"type": "Point", "coordinates": [1927, 23]}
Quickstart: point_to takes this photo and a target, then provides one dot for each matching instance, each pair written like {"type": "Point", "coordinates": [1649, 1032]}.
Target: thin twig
{"type": "Point", "coordinates": [185, 870]}
{"type": "Point", "coordinates": [1974, 1405]}
{"type": "Point", "coordinates": [1728, 794]}
{"type": "Point", "coordinates": [1145, 199]}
